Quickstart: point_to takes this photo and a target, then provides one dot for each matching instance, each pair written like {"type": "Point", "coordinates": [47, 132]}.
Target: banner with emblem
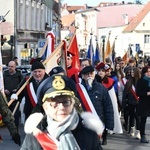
{"type": "Point", "coordinates": [56, 58]}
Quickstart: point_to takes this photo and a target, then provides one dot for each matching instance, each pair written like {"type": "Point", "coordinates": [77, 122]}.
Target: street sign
{"type": "Point", "coordinates": [41, 43]}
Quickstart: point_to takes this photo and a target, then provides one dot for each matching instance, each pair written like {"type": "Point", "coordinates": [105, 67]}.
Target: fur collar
{"type": "Point", "coordinates": [90, 121]}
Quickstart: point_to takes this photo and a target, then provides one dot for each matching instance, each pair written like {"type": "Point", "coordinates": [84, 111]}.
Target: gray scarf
{"type": "Point", "coordinates": [62, 131]}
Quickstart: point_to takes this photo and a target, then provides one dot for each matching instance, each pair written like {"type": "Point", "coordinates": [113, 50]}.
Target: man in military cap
{"type": "Point", "coordinates": [8, 120]}
{"type": "Point", "coordinates": [62, 127]}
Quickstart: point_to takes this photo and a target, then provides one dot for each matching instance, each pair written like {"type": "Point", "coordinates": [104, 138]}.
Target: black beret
{"type": "Point", "coordinates": [56, 70]}
{"type": "Point", "coordinates": [55, 85]}
{"type": "Point", "coordinates": [37, 65]}
{"type": "Point", "coordinates": [70, 54]}
{"type": "Point", "coordinates": [87, 69]}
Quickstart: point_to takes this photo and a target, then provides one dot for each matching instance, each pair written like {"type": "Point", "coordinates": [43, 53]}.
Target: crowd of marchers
{"type": "Point", "coordinates": [77, 108]}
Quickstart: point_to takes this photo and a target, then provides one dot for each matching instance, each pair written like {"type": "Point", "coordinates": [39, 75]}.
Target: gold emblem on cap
{"type": "Point", "coordinates": [58, 83]}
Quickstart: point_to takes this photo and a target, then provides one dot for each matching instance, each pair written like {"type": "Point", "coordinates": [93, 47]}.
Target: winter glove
{"type": "Point", "coordinates": [14, 96]}
{"type": "Point", "coordinates": [16, 138]}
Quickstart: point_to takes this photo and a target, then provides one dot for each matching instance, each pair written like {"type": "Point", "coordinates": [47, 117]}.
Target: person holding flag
{"type": "Point", "coordinates": [38, 76]}
{"type": "Point", "coordinates": [71, 69]}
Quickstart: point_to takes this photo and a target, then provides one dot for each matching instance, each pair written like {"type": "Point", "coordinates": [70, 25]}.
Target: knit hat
{"type": "Point", "coordinates": [37, 65]}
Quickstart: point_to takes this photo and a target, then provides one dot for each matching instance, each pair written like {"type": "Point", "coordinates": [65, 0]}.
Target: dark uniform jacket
{"type": "Point", "coordinates": [144, 101]}
{"type": "Point", "coordinates": [86, 138]}
{"type": "Point", "coordinates": [102, 103]}
{"type": "Point", "coordinates": [11, 81]}
{"type": "Point", "coordinates": [28, 105]}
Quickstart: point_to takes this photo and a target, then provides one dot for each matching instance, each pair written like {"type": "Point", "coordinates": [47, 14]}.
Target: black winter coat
{"type": "Point", "coordinates": [128, 98]}
{"type": "Point", "coordinates": [144, 101]}
{"type": "Point", "coordinates": [86, 139]}
{"type": "Point", "coordinates": [28, 107]}
{"type": "Point", "coordinates": [11, 81]}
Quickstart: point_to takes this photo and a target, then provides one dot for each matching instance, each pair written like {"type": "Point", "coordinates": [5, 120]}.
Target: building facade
{"type": "Point", "coordinates": [31, 19]}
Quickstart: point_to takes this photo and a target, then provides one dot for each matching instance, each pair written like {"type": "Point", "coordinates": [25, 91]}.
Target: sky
{"type": "Point", "coordinates": [93, 2]}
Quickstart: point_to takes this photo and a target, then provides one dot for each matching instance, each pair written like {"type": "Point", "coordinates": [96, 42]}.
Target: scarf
{"type": "Point", "coordinates": [147, 79]}
{"type": "Point", "coordinates": [62, 131]}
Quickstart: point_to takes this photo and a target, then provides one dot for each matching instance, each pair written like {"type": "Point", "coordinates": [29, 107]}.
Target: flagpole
{"type": "Point", "coordinates": [103, 47]}
{"type": "Point", "coordinates": [91, 53]}
{"type": "Point", "coordinates": [72, 38]}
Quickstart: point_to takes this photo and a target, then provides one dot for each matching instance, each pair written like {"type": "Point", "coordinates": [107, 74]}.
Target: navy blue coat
{"type": "Point", "coordinates": [102, 103]}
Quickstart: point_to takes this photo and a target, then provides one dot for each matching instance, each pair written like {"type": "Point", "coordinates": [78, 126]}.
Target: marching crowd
{"type": "Point", "coordinates": [77, 109]}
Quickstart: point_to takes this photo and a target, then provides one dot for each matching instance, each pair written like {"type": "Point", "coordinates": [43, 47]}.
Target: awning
{"type": "Point", "coordinates": [6, 28]}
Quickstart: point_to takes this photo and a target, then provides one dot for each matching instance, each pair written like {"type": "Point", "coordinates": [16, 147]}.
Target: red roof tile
{"type": "Point", "coordinates": [136, 20]}
{"type": "Point", "coordinates": [112, 16]}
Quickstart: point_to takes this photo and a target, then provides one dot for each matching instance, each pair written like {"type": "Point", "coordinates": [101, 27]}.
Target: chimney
{"type": "Point", "coordinates": [126, 19]}
{"type": "Point", "coordinates": [85, 6]}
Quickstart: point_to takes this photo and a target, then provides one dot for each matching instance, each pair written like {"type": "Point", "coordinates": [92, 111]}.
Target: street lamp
{"type": "Point", "coordinates": [103, 47]}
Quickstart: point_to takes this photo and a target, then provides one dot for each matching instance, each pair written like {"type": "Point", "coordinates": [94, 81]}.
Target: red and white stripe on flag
{"type": "Point", "coordinates": [1, 75]}
{"type": "Point", "coordinates": [51, 42]}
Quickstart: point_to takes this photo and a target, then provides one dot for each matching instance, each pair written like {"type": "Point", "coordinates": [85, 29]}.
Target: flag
{"type": "Point", "coordinates": [108, 48]}
{"type": "Point", "coordinates": [90, 53]}
{"type": "Point", "coordinates": [97, 53]}
{"type": "Point", "coordinates": [73, 48]}
{"type": "Point", "coordinates": [113, 51]}
{"type": "Point", "coordinates": [49, 45]}
{"type": "Point", "coordinates": [56, 56]}
{"type": "Point", "coordinates": [126, 57]}
{"type": "Point", "coordinates": [1, 75]}
{"type": "Point", "coordinates": [1, 84]}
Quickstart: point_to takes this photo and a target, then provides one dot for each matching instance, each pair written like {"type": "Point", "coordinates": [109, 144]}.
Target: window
{"type": "Point", "coordinates": [146, 38]}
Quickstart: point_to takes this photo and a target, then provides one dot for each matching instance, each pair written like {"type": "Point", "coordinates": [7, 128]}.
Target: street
{"type": "Point", "coordinates": [126, 142]}
{"type": "Point", "coordinates": [115, 141]}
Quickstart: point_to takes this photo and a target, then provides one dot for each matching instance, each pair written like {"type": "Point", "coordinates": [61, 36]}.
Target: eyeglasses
{"type": "Point", "coordinates": [65, 103]}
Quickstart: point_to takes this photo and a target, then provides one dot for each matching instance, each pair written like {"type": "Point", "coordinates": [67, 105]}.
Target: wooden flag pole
{"type": "Point", "coordinates": [19, 91]}
{"type": "Point", "coordinates": [72, 38]}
